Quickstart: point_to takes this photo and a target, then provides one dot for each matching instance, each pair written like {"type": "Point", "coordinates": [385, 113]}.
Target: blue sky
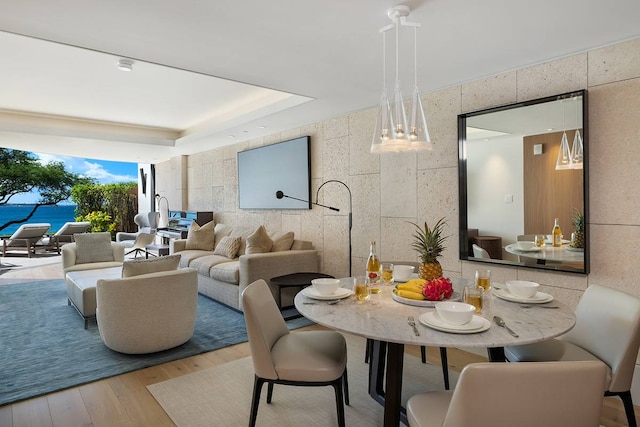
{"type": "Point", "coordinates": [105, 172]}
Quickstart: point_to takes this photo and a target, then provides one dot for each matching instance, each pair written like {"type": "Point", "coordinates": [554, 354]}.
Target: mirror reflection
{"type": "Point", "coordinates": [523, 186]}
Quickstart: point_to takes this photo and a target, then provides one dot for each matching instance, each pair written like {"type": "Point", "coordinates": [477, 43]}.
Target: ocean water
{"type": "Point", "coordinates": [55, 215]}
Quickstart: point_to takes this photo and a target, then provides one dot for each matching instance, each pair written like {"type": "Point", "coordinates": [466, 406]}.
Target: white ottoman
{"type": "Point", "coordinates": [81, 289]}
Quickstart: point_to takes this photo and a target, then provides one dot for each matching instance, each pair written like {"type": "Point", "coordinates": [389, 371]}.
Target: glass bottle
{"type": "Point", "coordinates": [373, 269]}
{"type": "Point", "coordinates": [556, 234]}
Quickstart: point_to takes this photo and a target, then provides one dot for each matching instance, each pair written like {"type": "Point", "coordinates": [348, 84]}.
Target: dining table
{"type": "Point", "coordinates": [384, 320]}
{"type": "Point", "coordinates": [548, 253]}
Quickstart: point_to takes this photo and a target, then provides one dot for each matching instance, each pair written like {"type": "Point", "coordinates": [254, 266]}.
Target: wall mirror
{"type": "Point", "coordinates": [520, 168]}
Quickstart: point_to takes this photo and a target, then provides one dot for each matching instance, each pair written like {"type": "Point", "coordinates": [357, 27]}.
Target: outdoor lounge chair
{"type": "Point", "coordinates": [64, 235]}
{"type": "Point", "coordinates": [25, 237]}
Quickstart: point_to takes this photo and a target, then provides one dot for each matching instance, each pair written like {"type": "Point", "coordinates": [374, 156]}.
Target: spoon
{"type": "Point", "coordinates": [501, 323]}
{"type": "Point", "coordinates": [541, 306]}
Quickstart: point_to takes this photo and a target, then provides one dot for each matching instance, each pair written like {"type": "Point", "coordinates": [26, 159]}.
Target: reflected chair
{"type": "Point", "coordinates": [549, 394]}
{"type": "Point", "coordinates": [479, 252]}
{"type": "Point", "coordinates": [25, 237]}
{"type": "Point", "coordinates": [308, 358]}
{"type": "Point", "coordinates": [139, 245]}
{"type": "Point", "coordinates": [608, 330]}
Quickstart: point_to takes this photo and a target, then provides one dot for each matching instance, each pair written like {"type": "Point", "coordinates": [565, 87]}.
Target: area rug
{"type": "Point", "coordinates": [221, 395]}
{"type": "Point", "coordinates": [44, 347]}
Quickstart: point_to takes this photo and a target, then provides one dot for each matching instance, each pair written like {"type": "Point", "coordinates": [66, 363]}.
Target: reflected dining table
{"type": "Point", "coordinates": [385, 321]}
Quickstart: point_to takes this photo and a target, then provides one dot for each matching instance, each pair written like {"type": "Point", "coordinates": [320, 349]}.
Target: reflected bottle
{"type": "Point", "coordinates": [556, 234]}
{"type": "Point", "coordinates": [373, 269]}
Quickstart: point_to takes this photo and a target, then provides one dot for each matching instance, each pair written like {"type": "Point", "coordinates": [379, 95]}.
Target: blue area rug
{"type": "Point", "coordinates": [44, 348]}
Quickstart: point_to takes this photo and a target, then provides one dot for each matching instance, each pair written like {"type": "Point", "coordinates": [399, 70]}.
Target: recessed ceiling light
{"type": "Point", "coordinates": [125, 65]}
{"type": "Point", "coordinates": [245, 131]}
{"type": "Point", "coordinates": [231, 136]}
{"type": "Point", "coordinates": [262, 127]}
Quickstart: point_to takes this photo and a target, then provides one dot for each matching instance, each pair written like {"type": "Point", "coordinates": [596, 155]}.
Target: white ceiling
{"type": "Point", "coordinates": [279, 64]}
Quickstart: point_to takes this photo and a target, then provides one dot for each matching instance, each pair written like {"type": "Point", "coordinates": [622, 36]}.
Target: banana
{"type": "Point", "coordinates": [409, 294]}
{"type": "Point", "coordinates": [410, 287]}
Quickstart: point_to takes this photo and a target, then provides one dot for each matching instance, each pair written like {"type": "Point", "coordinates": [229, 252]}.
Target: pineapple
{"type": "Point", "coordinates": [429, 243]}
{"type": "Point", "coordinates": [578, 224]}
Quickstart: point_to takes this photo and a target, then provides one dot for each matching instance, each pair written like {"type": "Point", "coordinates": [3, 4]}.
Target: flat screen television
{"type": "Point", "coordinates": [264, 171]}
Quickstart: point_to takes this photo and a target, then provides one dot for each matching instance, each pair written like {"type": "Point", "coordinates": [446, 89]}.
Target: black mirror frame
{"type": "Point", "coordinates": [462, 181]}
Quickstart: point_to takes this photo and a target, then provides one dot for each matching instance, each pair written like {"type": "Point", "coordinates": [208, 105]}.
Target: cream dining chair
{"type": "Point", "coordinates": [479, 252]}
{"type": "Point", "coordinates": [608, 330]}
{"type": "Point", "coordinates": [549, 394]}
{"type": "Point", "coordinates": [307, 358]}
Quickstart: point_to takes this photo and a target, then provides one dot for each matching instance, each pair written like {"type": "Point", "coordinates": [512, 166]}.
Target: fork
{"type": "Point", "coordinates": [413, 325]}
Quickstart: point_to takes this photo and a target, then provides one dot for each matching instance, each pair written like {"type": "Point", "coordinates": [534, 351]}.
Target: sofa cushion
{"type": "Point", "coordinates": [93, 247]}
{"type": "Point", "coordinates": [187, 257]}
{"type": "Point", "coordinates": [201, 238]}
{"type": "Point", "coordinates": [204, 264]}
{"type": "Point", "coordinates": [282, 241]}
{"type": "Point", "coordinates": [228, 272]}
{"type": "Point", "coordinates": [136, 267]}
{"type": "Point", "coordinates": [222, 230]}
{"type": "Point", "coordinates": [228, 247]}
{"type": "Point", "coordinates": [243, 233]}
{"type": "Point", "coordinates": [258, 242]}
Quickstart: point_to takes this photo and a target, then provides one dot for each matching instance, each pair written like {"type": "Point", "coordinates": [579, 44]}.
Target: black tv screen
{"type": "Point", "coordinates": [264, 171]}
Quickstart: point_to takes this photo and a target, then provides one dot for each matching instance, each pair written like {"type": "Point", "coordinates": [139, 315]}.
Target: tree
{"type": "Point", "coordinates": [20, 172]}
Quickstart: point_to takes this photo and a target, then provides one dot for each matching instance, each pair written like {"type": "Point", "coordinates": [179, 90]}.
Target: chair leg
{"type": "Point", "coordinates": [269, 391]}
{"type": "Point", "coordinates": [337, 385]}
{"type": "Point", "coordinates": [445, 367]}
{"type": "Point", "coordinates": [257, 388]}
{"type": "Point", "coordinates": [625, 396]}
{"type": "Point", "coordinates": [423, 354]}
{"type": "Point", "coordinates": [345, 381]}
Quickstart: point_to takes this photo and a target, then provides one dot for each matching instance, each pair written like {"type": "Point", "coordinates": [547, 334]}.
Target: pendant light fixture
{"type": "Point", "coordinates": [564, 155]}
{"type": "Point", "coordinates": [392, 132]}
{"type": "Point", "coordinates": [577, 148]}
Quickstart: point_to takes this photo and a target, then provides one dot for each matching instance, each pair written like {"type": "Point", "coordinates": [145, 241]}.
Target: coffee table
{"type": "Point", "coordinates": [294, 280]}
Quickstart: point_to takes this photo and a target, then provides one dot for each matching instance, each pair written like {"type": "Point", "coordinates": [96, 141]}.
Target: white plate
{"type": "Point", "coordinates": [338, 294]}
{"type": "Point", "coordinates": [413, 276]}
{"type": "Point", "coordinates": [455, 296]}
{"type": "Point", "coordinates": [570, 249]}
{"type": "Point", "coordinates": [518, 248]}
{"type": "Point", "coordinates": [432, 320]}
{"type": "Point", "coordinates": [538, 298]}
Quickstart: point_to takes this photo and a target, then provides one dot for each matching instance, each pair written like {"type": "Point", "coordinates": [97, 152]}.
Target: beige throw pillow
{"type": "Point", "coordinates": [93, 247]}
{"type": "Point", "coordinates": [282, 241]}
{"type": "Point", "coordinates": [228, 247]}
{"type": "Point", "coordinates": [200, 238]}
{"type": "Point", "coordinates": [136, 267]}
{"type": "Point", "coordinates": [258, 242]}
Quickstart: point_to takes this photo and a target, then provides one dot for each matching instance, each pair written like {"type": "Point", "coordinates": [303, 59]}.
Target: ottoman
{"type": "Point", "coordinates": [81, 289]}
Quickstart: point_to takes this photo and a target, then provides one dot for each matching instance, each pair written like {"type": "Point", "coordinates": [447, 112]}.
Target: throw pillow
{"type": "Point", "coordinates": [228, 247]}
{"type": "Point", "coordinates": [93, 247]}
{"type": "Point", "coordinates": [282, 241]}
{"type": "Point", "coordinates": [259, 242]}
{"type": "Point", "coordinates": [136, 267]}
{"type": "Point", "coordinates": [200, 238]}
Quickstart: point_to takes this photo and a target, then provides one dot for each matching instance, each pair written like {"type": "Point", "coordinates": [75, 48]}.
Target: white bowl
{"type": "Point", "coordinates": [526, 245]}
{"type": "Point", "coordinates": [402, 273]}
{"type": "Point", "coordinates": [456, 313]}
{"type": "Point", "coordinates": [325, 286]}
{"type": "Point", "coordinates": [522, 288]}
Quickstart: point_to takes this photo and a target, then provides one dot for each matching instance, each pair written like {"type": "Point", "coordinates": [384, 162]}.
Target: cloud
{"type": "Point", "coordinates": [87, 168]}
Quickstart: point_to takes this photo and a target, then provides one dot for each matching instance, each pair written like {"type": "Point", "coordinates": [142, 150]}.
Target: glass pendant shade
{"type": "Point", "coordinates": [576, 151]}
{"type": "Point", "coordinates": [384, 125]}
{"type": "Point", "coordinates": [564, 155]}
{"type": "Point", "coordinates": [419, 137]}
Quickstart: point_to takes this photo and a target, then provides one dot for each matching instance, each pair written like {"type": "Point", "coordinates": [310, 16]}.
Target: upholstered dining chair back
{"type": "Point", "coordinates": [550, 394]}
{"type": "Point", "coordinates": [265, 325]}
{"type": "Point", "coordinates": [608, 326]}
{"type": "Point", "coordinates": [479, 252]}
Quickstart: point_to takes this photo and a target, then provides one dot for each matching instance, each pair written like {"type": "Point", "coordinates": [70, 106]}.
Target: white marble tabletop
{"type": "Point", "coordinates": [548, 253]}
{"type": "Point", "coordinates": [381, 318]}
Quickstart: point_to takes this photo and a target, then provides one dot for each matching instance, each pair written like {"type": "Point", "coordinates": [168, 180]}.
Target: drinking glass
{"type": "Point", "coordinates": [483, 279]}
{"type": "Point", "coordinates": [540, 240]}
{"type": "Point", "coordinates": [361, 289]}
{"type": "Point", "coordinates": [474, 295]}
{"type": "Point", "coordinates": [387, 273]}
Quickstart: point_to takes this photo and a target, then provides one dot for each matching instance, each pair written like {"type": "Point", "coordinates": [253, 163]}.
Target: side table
{"type": "Point", "coordinates": [299, 280]}
{"type": "Point", "coordinates": [163, 250]}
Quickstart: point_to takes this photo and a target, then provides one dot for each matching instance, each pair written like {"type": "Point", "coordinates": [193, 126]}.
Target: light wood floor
{"type": "Point", "coordinates": [123, 400]}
